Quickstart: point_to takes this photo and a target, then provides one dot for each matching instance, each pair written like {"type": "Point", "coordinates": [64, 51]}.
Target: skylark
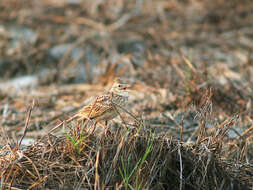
{"type": "Point", "coordinates": [106, 107]}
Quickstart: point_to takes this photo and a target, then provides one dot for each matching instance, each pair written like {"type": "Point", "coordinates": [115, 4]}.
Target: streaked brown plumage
{"type": "Point", "coordinates": [104, 107]}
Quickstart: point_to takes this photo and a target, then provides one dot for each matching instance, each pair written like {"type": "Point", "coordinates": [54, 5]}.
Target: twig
{"type": "Point", "coordinates": [169, 116]}
{"type": "Point", "coordinates": [128, 112]}
{"type": "Point", "coordinates": [37, 183]}
{"type": "Point", "coordinates": [187, 61]}
{"type": "Point", "coordinates": [123, 19]}
{"type": "Point", "coordinates": [114, 107]}
{"type": "Point", "coordinates": [181, 129]}
{"type": "Point", "coordinates": [181, 167]}
{"type": "Point", "coordinates": [27, 122]}
{"type": "Point", "coordinates": [247, 132]}
{"type": "Point", "coordinates": [120, 22]}
{"type": "Point", "coordinates": [34, 166]}
{"type": "Point", "coordinates": [96, 172]}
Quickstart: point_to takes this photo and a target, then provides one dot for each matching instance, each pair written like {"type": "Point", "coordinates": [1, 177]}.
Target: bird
{"type": "Point", "coordinates": [104, 107]}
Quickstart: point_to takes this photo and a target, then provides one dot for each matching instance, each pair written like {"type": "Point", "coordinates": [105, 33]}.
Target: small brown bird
{"type": "Point", "coordinates": [105, 107]}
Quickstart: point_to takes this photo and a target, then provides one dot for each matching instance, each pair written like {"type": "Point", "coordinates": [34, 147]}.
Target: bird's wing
{"type": "Point", "coordinates": [96, 107]}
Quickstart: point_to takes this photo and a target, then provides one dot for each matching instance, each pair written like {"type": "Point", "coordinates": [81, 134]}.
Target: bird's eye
{"type": "Point", "coordinates": [119, 85]}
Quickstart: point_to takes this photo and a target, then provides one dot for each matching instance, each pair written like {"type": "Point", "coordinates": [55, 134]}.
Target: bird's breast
{"type": "Point", "coordinates": [120, 100]}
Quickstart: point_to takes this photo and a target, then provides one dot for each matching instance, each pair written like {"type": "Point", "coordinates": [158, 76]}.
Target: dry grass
{"type": "Point", "coordinates": [130, 158]}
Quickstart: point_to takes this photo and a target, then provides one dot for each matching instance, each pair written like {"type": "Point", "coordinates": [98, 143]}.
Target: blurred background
{"type": "Point", "coordinates": [60, 52]}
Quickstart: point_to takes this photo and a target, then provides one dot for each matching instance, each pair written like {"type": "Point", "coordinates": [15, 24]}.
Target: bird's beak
{"type": "Point", "coordinates": [127, 87]}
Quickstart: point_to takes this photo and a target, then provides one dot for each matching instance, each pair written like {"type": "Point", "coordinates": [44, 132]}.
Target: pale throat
{"type": "Point", "coordinates": [123, 93]}
{"type": "Point", "coordinates": [120, 92]}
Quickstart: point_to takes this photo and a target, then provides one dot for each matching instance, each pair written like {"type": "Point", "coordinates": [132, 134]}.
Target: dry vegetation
{"type": "Point", "coordinates": [189, 121]}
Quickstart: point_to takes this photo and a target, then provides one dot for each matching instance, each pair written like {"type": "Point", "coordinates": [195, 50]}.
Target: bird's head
{"type": "Point", "coordinates": [119, 87]}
